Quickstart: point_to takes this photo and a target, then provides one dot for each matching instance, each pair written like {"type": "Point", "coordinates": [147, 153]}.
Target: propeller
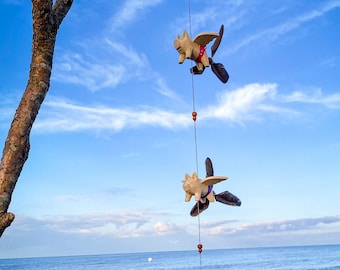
{"type": "Point", "coordinates": [224, 197]}
{"type": "Point", "coordinates": [217, 68]}
{"type": "Point", "coordinates": [199, 206]}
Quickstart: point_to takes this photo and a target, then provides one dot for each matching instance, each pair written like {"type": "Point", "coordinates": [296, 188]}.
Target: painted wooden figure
{"type": "Point", "coordinates": [196, 50]}
{"type": "Point", "coordinates": [203, 192]}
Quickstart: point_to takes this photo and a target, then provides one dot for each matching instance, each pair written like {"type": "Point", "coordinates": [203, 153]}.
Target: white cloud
{"type": "Point", "coordinates": [239, 105]}
{"type": "Point", "coordinates": [252, 102]}
{"type": "Point", "coordinates": [138, 223]}
{"type": "Point", "coordinates": [165, 228]}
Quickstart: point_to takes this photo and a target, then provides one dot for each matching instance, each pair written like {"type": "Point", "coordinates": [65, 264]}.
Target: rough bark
{"type": "Point", "coordinates": [47, 18]}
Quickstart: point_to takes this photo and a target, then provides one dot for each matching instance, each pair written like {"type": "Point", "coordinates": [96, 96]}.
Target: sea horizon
{"type": "Point", "coordinates": [312, 257]}
{"type": "Point", "coordinates": [167, 251]}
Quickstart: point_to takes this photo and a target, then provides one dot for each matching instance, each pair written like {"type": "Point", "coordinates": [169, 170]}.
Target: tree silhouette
{"type": "Point", "coordinates": [47, 17]}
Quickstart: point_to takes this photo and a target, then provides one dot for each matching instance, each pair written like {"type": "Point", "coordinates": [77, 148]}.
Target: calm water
{"type": "Point", "coordinates": [312, 257]}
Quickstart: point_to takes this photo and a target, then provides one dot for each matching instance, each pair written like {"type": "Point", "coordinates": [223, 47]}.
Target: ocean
{"type": "Point", "coordinates": [292, 258]}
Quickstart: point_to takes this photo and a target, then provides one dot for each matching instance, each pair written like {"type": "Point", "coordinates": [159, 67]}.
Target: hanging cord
{"type": "Point", "coordinates": [189, 5]}
{"type": "Point", "coordinates": [194, 113]}
{"type": "Point", "coordinates": [194, 117]}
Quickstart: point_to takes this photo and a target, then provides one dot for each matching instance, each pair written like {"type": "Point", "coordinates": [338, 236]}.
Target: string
{"type": "Point", "coordinates": [189, 5]}
{"type": "Point", "coordinates": [194, 114]}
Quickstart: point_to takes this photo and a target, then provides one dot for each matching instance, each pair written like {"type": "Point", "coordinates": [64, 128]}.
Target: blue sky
{"type": "Point", "coordinates": [114, 137]}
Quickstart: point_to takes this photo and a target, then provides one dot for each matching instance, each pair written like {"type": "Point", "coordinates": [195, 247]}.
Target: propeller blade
{"type": "Point", "coordinates": [217, 42]}
{"type": "Point", "coordinates": [198, 208]}
{"type": "Point", "coordinates": [194, 70]}
{"type": "Point", "coordinates": [228, 198]}
{"type": "Point", "coordinates": [209, 167]}
{"type": "Point", "coordinates": [220, 72]}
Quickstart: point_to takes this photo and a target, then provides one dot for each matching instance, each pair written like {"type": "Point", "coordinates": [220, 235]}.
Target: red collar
{"type": "Point", "coordinates": [199, 57]}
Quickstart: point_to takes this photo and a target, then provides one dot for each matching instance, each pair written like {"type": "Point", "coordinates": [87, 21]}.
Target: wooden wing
{"type": "Point", "coordinates": [204, 38]}
{"type": "Point", "coordinates": [212, 180]}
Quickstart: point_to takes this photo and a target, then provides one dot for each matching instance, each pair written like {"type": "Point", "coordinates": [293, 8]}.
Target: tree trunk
{"type": "Point", "coordinates": [47, 18]}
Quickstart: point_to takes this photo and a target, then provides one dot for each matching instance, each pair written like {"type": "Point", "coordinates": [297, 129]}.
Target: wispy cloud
{"type": "Point", "coordinates": [127, 54]}
{"type": "Point", "coordinates": [279, 30]}
{"type": "Point", "coordinates": [252, 102]}
{"type": "Point", "coordinates": [62, 115]}
{"type": "Point", "coordinates": [276, 32]}
{"type": "Point", "coordinates": [31, 235]}
{"type": "Point", "coordinates": [94, 71]}
{"type": "Point", "coordinates": [140, 223]}
{"type": "Point", "coordinates": [105, 61]}
{"type": "Point", "coordinates": [164, 90]}
{"type": "Point", "coordinates": [331, 101]}
{"type": "Point", "coordinates": [273, 227]}
{"type": "Point", "coordinates": [201, 20]}
{"type": "Point", "coordinates": [94, 75]}
{"type": "Point", "coordinates": [130, 11]}
{"type": "Point", "coordinates": [120, 224]}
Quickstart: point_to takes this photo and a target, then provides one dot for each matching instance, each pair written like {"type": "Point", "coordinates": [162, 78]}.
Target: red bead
{"type": "Point", "coordinates": [200, 246]}
{"type": "Point", "coordinates": [194, 114]}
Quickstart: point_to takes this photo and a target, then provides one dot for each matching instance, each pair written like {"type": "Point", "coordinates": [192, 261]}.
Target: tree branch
{"type": "Point", "coordinates": [60, 9]}
{"type": "Point", "coordinates": [46, 21]}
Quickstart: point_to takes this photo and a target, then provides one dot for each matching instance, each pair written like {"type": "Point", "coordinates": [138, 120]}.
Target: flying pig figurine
{"type": "Point", "coordinates": [196, 51]}
{"type": "Point", "coordinates": [203, 190]}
